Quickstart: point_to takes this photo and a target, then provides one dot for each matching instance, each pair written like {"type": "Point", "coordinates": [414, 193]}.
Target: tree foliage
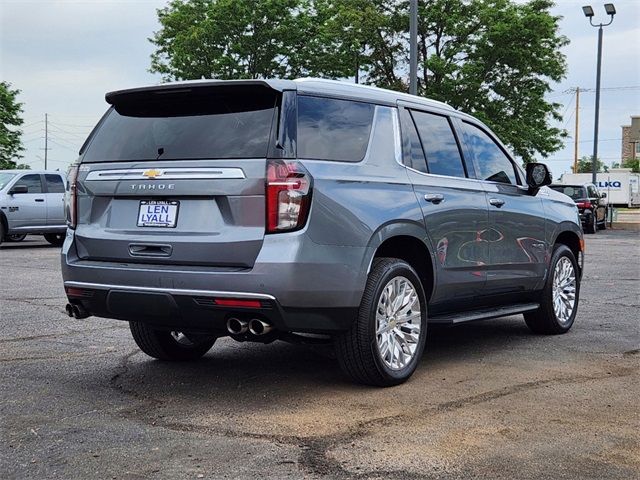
{"type": "Point", "coordinates": [632, 163]}
{"type": "Point", "coordinates": [494, 59]}
{"type": "Point", "coordinates": [585, 165]}
{"type": "Point", "coordinates": [10, 121]}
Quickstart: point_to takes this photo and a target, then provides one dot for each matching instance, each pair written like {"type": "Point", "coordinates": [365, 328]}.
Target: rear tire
{"type": "Point", "coordinates": [55, 239]}
{"type": "Point", "coordinates": [548, 320]}
{"type": "Point", "coordinates": [1, 232]}
{"type": "Point", "coordinates": [385, 343]}
{"type": "Point", "coordinates": [169, 346]}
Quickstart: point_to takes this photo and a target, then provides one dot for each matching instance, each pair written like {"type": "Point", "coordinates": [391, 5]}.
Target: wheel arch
{"type": "Point", "coordinates": [573, 240]}
{"type": "Point", "coordinates": [5, 223]}
{"type": "Point", "coordinates": [406, 241]}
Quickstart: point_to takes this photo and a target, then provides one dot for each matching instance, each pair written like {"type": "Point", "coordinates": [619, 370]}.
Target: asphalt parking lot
{"type": "Point", "coordinates": [490, 400]}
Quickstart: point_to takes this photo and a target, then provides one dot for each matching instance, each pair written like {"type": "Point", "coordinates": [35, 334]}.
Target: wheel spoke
{"type": "Point", "coordinates": [398, 322]}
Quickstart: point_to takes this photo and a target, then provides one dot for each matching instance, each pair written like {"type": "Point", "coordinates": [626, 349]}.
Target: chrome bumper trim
{"type": "Point", "coordinates": [171, 291]}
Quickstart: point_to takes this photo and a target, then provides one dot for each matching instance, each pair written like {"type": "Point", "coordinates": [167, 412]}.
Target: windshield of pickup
{"type": "Point", "coordinates": [5, 178]}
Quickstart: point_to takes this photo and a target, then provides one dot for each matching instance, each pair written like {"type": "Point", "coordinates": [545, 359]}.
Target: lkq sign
{"type": "Point", "coordinates": [609, 184]}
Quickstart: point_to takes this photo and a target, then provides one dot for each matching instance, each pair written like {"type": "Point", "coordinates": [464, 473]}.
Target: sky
{"type": "Point", "coordinates": [64, 55]}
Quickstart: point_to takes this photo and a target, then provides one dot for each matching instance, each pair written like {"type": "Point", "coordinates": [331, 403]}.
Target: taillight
{"type": "Point", "coordinates": [288, 196]}
{"type": "Point", "coordinates": [71, 198]}
{"type": "Point", "coordinates": [583, 204]}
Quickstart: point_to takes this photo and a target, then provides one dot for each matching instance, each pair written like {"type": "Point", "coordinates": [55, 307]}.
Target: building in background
{"type": "Point", "coordinates": [631, 139]}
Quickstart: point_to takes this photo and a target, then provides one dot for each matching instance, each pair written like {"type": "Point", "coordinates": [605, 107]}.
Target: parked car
{"type": "Point", "coordinates": [32, 202]}
{"type": "Point", "coordinates": [307, 211]}
{"type": "Point", "coordinates": [591, 203]}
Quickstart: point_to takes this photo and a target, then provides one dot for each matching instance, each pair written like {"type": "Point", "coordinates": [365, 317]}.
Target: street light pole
{"type": "Point", "coordinates": [588, 12]}
{"type": "Point", "coordinates": [413, 47]}
{"type": "Point", "coordinates": [596, 121]}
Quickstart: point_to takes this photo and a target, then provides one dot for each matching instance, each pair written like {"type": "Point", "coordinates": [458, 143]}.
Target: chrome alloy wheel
{"type": "Point", "coordinates": [564, 290]}
{"type": "Point", "coordinates": [398, 323]}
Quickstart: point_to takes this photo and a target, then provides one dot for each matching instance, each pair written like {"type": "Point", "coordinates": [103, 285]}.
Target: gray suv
{"type": "Point", "coordinates": [31, 202]}
{"type": "Point", "coordinates": [310, 211]}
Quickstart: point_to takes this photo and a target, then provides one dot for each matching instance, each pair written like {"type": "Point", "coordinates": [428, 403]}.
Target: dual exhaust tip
{"type": "Point", "coordinates": [255, 326]}
{"type": "Point", "coordinates": [76, 311]}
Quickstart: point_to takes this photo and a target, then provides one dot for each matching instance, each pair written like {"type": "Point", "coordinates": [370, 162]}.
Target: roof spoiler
{"type": "Point", "coordinates": [119, 96]}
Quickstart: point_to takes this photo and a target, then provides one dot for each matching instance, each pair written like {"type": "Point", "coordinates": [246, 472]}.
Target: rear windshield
{"type": "Point", "coordinates": [573, 192]}
{"type": "Point", "coordinates": [215, 122]}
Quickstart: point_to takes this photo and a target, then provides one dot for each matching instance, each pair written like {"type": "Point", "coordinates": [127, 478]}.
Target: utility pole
{"type": "Point", "coordinates": [46, 138]}
{"type": "Point", "coordinates": [575, 136]}
{"type": "Point", "coordinates": [413, 47]}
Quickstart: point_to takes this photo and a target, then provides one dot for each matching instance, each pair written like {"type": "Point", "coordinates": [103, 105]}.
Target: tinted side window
{"type": "Point", "coordinates": [591, 190]}
{"type": "Point", "coordinates": [491, 162]}
{"type": "Point", "coordinates": [439, 143]}
{"type": "Point", "coordinates": [31, 181]}
{"type": "Point", "coordinates": [54, 183]}
{"type": "Point", "coordinates": [415, 157]}
{"type": "Point", "coordinates": [330, 129]}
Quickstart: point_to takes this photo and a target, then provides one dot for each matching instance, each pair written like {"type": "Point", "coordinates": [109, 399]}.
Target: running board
{"type": "Point", "coordinates": [483, 314]}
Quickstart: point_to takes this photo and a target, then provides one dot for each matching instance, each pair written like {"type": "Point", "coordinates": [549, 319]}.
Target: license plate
{"type": "Point", "coordinates": [158, 213]}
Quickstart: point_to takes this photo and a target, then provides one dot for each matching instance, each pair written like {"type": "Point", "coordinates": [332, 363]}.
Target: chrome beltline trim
{"type": "Point", "coordinates": [172, 291]}
{"type": "Point", "coordinates": [184, 173]}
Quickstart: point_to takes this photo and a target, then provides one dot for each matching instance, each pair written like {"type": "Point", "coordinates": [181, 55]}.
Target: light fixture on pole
{"type": "Point", "coordinates": [589, 13]}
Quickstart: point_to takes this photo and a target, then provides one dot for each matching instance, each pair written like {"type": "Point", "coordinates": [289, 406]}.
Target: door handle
{"type": "Point", "coordinates": [434, 198]}
{"type": "Point", "coordinates": [496, 202]}
{"type": "Point", "coordinates": [39, 199]}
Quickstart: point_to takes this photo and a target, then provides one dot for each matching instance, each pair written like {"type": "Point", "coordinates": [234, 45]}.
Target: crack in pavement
{"type": "Point", "coordinates": [314, 450]}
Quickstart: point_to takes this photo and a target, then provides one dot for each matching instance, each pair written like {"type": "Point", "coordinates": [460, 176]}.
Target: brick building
{"type": "Point", "coordinates": [631, 139]}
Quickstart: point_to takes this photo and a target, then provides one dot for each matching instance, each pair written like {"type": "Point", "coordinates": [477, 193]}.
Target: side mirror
{"type": "Point", "coordinates": [18, 189]}
{"type": "Point", "coordinates": [603, 195]}
{"type": "Point", "coordinates": [538, 175]}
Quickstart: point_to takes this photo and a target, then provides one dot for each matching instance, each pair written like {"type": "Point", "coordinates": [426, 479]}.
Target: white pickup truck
{"type": "Point", "coordinates": [32, 202]}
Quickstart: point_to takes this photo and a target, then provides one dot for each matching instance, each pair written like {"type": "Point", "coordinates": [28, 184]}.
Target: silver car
{"type": "Point", "coordinates": [32, 202]}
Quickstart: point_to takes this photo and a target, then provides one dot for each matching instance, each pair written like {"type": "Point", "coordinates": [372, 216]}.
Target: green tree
{"type": "Point", "coordinates": [585, 165]}
{"type": "Point", "coordinates": [495, 59]}
{"type": "Point", "coordinates": [10, 121]}
{"type": "Point", "coordinates": [228, 39]}
{"type": "Point", "coordinates": [633, 164]}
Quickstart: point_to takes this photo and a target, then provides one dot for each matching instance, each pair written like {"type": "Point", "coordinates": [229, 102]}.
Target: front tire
{"type": "Point", "coordinates": [385, 344]}
{"type": "Point", "coordinates": [603, 225]}
{"type": "Point", "coordinates": [169, 346]}
{"type": "Point", "coordinates": [16, 237]}
{"type": "Point", "coordinates": [592, 225]}
{"type": "Point", "coordinates": [55, 239]}
{"type": "Point", "coordinates": [559, 299]}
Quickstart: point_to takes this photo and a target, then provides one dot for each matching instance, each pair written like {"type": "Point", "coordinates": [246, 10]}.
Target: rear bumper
{"type": "Point", "coordinates": [300, 287]}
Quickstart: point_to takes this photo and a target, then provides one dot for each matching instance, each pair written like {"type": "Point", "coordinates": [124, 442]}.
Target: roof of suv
{"type": "Point", "coordinates": [305, 85]}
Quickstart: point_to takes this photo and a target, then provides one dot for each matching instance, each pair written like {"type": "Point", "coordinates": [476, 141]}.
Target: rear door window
{"type": "Point", "coordinates": [32, 182]}
{"type": "Point", "coordinates": [492, 164]}
{"type": "Point", "coordinates": [54, 183]}
{"type": "Point", "coordinates": [199, 123]}
{"type": "Point", "coordinates": [439, 144]}
{"type": "Point", "coordinates": [332, 129]}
